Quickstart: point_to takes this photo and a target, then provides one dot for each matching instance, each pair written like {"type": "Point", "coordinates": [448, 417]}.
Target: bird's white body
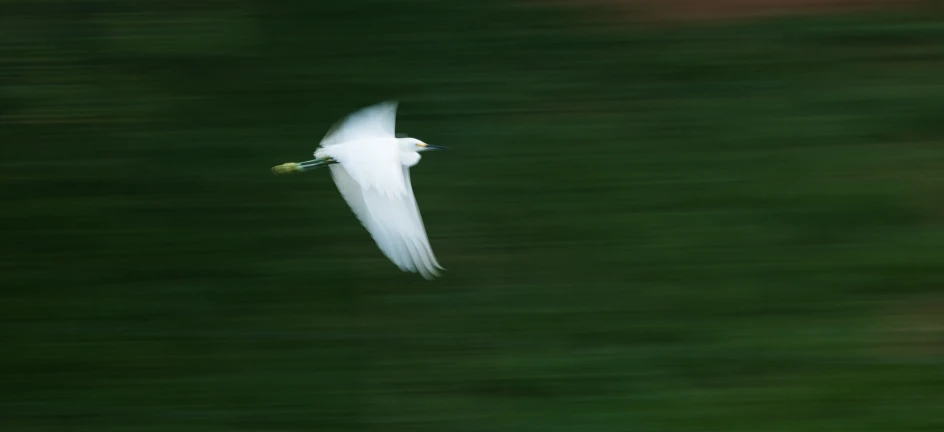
{"type": "Point", "coordinates": [371, 168]}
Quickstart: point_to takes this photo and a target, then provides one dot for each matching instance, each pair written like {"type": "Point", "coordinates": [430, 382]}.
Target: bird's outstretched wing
{"type": "Point", "coordinates": [375, 121]}
{"type": "Point", "coordinates": [389, 214]}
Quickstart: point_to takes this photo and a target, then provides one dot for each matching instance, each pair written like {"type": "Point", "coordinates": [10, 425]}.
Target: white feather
{"type": "Point", "coordinates": [372, 174]}
{"type": "Point", "coordinates": [375, 121]}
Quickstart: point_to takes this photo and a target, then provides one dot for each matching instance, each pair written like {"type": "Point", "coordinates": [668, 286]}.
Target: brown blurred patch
{"type": "Point", "coordinates": [911, 329]}
{"type": "Point", "coordinates": [715, 10]}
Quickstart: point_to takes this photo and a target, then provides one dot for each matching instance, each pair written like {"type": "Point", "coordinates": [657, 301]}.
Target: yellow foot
{"type": "Point", "coordinates": [286, 168]}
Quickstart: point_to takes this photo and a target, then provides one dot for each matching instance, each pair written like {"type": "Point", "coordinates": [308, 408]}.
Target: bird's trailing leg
{"type": "Point", "coordinates": [296, 167]}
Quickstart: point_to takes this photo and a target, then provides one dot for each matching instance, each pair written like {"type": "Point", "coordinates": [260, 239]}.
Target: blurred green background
{"type": "Point", "coordinates": [709, 227]}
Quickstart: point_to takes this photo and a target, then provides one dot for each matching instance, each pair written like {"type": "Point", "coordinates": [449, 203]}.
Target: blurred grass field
{"type": "Point", "coordinates": [705, 228]}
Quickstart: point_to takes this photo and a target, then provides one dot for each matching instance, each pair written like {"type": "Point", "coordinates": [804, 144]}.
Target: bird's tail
{"type": "Point", "coordinates": [297, 167]}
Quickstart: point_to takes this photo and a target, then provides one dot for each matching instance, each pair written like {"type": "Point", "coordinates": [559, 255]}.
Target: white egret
{"type": "Point", "coordinates": [371, 168]}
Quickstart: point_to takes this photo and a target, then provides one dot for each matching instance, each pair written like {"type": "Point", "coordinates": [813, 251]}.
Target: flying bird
{"type": "Point", "coordinates": [370, 165]}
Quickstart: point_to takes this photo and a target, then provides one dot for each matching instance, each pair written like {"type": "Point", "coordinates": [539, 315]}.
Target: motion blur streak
{"type": "Point", "coordinates": [668, 226]}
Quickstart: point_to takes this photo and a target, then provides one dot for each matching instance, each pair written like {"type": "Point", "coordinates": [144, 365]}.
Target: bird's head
{"type": "Point", "coordinates": [418, 146]}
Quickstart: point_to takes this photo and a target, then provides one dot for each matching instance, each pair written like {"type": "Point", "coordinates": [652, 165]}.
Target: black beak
{"type": "Point", "coordinates": [432, 147]}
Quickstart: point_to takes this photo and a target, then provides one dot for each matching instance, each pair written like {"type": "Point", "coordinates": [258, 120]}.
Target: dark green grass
{"type": "Point", "coordinates": [721, 228]}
